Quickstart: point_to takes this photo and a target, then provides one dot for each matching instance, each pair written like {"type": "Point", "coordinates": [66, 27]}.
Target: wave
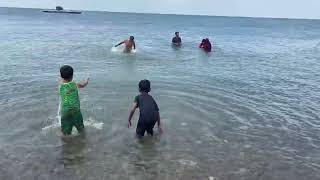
{"type": "Point", "coordinates": [57, 123]}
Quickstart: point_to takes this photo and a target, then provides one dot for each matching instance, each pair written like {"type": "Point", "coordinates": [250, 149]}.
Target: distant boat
{"type": "Point", "coordinates": [60, 9]}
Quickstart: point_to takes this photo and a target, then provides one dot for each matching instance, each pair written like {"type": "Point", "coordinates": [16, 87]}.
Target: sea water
{"type": "Point", "coordinates": [248, 110]}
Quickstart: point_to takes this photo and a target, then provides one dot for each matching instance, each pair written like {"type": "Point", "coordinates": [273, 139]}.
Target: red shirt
{"type": "Point", "coordinates": [205, 46]}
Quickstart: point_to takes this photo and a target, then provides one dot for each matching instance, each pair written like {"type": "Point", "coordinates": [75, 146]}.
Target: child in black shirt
{"type": "Point", "coordinates": [149, 110]}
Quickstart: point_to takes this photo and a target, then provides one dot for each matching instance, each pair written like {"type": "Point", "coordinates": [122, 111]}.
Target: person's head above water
{"type": "Point", "coordinates": [203, 40]}
{"type": "Point", "coordinates": [144, 86]}
{"type": "Point", "coordinates": [177, 34]}
{"type": "Point", "coordinates": [66, 72]}
{"type": "Point", "coordinates": [131, 38]}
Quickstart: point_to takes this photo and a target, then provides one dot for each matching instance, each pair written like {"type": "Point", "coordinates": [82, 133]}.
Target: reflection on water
{"type": "Point", "coordinates": [73, 150]}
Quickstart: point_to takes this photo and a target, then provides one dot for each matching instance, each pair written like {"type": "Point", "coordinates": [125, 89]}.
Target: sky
{"type": "Point", "coordinates": [250, 8]}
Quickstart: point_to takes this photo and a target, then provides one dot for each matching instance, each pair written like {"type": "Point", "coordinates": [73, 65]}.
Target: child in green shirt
{"type": "Point", "coordinates": [70, 103]}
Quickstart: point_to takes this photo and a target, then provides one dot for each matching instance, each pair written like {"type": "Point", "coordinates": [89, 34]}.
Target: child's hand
{"type": "Point", "coordinates": [83, 84]}
{"type": "Point", "coordinates": [86, 82]}
{"type": "Point", "coordinates": [129, 124]}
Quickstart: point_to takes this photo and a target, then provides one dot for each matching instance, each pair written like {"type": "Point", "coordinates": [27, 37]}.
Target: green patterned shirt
{"type": "Point", "coordinates": [69, 97]}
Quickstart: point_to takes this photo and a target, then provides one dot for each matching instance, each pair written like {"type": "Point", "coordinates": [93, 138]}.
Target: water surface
{"type": "Point", "coordinates": [249, 110]}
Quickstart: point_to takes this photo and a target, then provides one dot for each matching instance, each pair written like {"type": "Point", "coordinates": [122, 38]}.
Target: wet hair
{"type": "Point", "coordinates": [66, 72]}
{"type": "Point", "coordinates": [131, 38]}
{"type": "Point", "coordinates": [144, 86]}
{"type": "Point", "coordinates": [176, 33]}
{"type": "Point", "coordinates": [203, 40]}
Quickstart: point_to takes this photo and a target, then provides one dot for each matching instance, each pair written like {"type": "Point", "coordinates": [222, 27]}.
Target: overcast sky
{"type": "Point", "coordinates": [253, 8]}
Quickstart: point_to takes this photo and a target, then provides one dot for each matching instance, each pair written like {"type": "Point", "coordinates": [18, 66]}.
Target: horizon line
{"type": "Point", "coordinates": [106, 11]}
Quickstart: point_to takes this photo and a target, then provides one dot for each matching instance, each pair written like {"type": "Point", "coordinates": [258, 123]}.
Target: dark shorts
{"type": "Point", "coordinates": [144, 126]}
{"type": "Point", "coordinates": [70, 119]}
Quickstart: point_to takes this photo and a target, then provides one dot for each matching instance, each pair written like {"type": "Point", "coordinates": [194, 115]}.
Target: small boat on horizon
{"type": "Point", "coordinates": [60, 9]}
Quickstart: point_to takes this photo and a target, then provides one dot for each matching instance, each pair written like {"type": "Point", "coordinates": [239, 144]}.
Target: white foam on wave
{"type": "Point", "coordinates": [115, 49]}
{"type": "Point", "coordinates": [184, 124]}
{"type": "Point", "coordinates": [118, 49]}
{"type": "Point", "coordinates": [57, 123]}
{"type": "Point", "coordinates": [186, 162]}
{"type": "Point", "coordinates": [92, 123]}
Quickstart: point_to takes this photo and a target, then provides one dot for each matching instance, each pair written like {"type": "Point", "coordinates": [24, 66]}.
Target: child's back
{"type": "Point", "coordinates": [69, 96]}
{"type": "Point", "coordinates": [149, 112]}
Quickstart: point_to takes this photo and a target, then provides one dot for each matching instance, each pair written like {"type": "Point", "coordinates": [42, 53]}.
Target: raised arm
{"type": "Point", "coordinates": [119, 44]}
{"type": "Point", "coordinates": [84, 84]}
{"type": "Point", "coordinates": [133, 109]}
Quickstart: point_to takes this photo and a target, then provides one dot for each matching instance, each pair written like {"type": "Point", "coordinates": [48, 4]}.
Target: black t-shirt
{"type": "Point", "coordinates": [176, 40]}
{"type": "Point", "coordinates": [148, 107]}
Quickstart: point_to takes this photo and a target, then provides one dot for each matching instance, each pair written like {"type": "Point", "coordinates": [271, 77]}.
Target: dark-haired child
{"type": "Point", "coordinates": [149, 110]}
{"type": "Point", "coordinates": [70, 103]}
{"type": "Point", "coordinates": [129, 44]}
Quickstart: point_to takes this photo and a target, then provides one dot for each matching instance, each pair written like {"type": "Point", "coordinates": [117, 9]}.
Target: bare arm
{"type": "Point", "coordinates": [133, 109]}
{"type": "Point", "coordinates": [119, 44]}
{"type": "Point", "coordinates": [159, 123]}
{"type": "Point", "coordinates": [84, 84]}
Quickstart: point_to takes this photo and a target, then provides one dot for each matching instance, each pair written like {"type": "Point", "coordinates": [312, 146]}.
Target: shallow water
{"type": "Point", "coordinates": [249, 110]}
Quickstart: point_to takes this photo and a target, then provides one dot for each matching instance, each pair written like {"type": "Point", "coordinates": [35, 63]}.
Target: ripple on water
{"type": "Point", "coordinates": [247, 111]}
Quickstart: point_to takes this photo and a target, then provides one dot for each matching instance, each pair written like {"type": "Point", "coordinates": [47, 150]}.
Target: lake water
{"type": "Point", "coordinates": [247, 111]}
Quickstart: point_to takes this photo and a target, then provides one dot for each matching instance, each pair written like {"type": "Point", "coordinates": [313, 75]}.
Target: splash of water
{"type": "Point", "coordinates": [120, 50]}
{"type": "Point", "coordinates": [57, 123]}
{"type": "Point", "coordinates": [115, 49]}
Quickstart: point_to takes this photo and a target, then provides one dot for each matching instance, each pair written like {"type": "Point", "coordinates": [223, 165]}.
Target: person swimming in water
{"type": "Point", "coordinates": [201, 45]}
{"type": "Point", "coordinates": [129, 44]}
{"type": "Point", "coordinates": [176, 41]}
{"type": "Point", "coordinates": [206, 45]}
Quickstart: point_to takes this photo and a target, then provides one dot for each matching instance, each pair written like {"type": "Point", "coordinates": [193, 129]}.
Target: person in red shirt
{"type": "Point", "coordinates": [206, 45]}
{"type": "Point", "coordinates": [202, 43]}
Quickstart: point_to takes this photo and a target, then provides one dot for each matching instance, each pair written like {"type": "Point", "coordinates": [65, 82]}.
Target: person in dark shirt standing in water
{"type": "Point", "coordinates": [149, 110]}
{"type": "Point", "coordinates": [176, 41]}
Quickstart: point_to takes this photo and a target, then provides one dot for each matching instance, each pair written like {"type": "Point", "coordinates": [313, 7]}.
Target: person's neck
{"type": "Point", "coordinates": [66, 81]}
